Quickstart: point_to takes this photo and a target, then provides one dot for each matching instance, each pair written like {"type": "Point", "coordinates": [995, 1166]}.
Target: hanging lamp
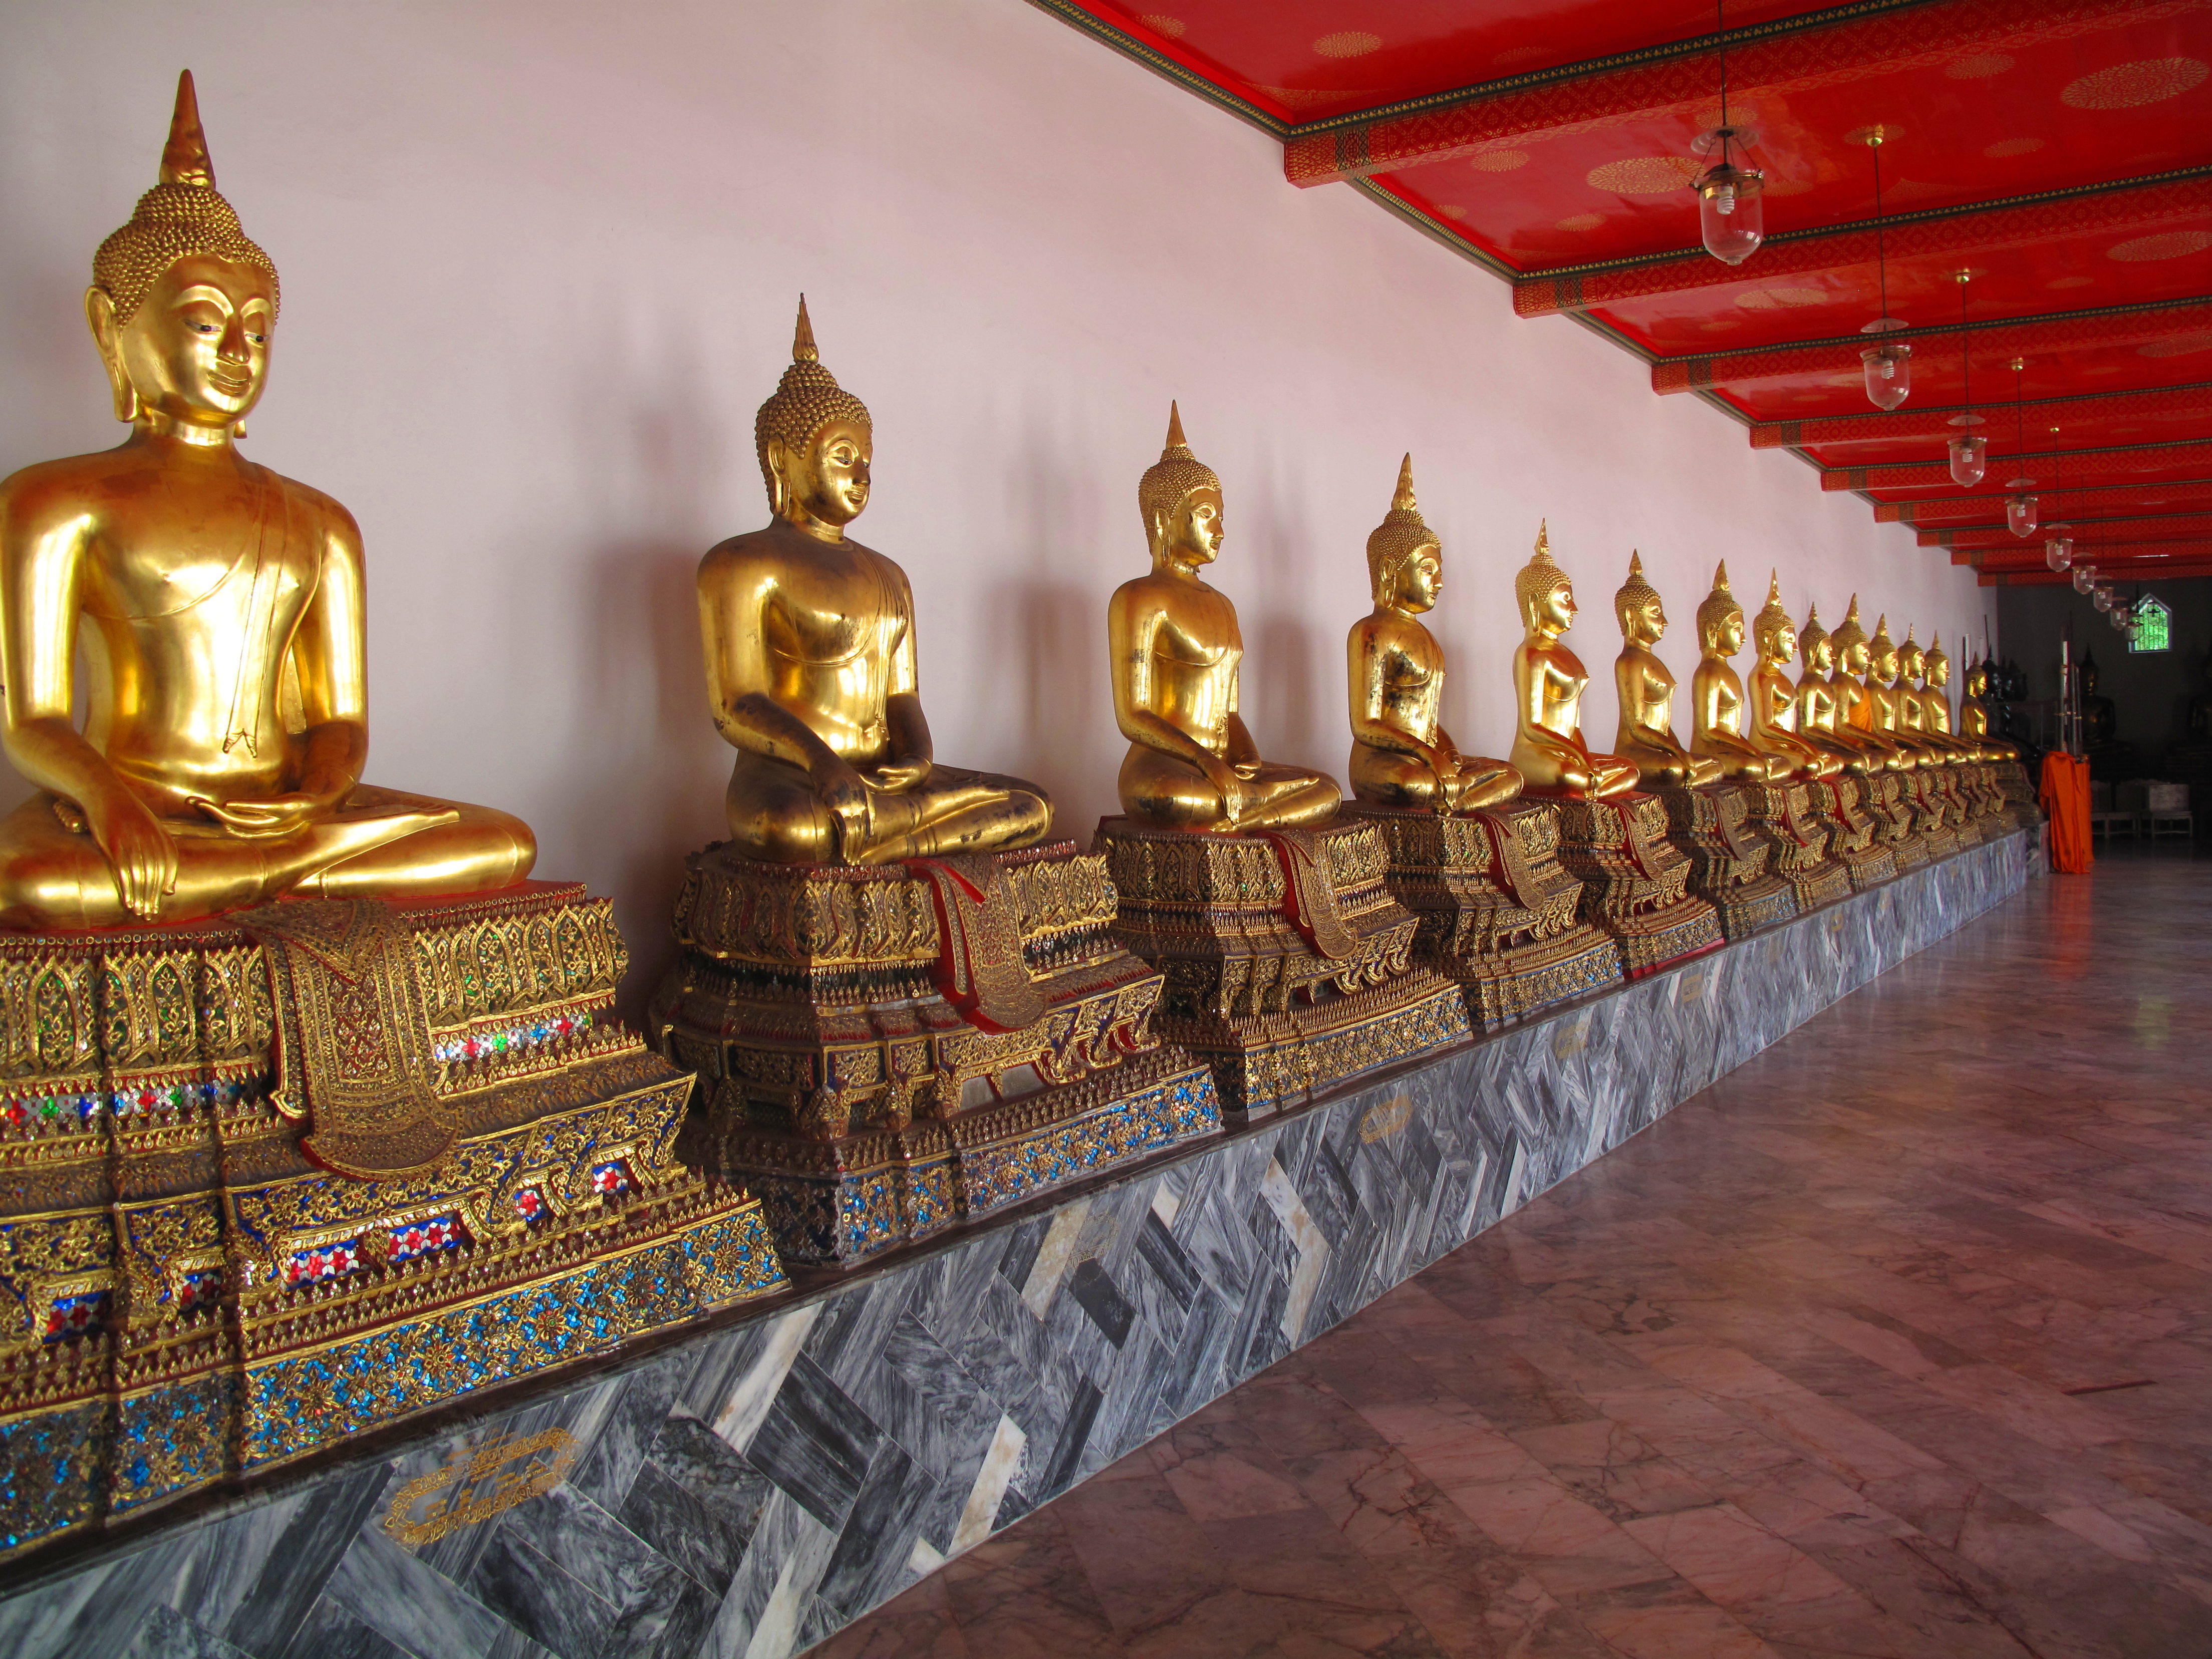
{"type": "Point", "coordinates": [1888, 365]}
{"type": "Point", "coordinates": [2101, 596]}
{"type": "Point", "coordinates": [2085, 578]}
{"type": "Point", "coordinates": [1969, 451]}
{"type": "Point", "coordinates": [2019, 505]}
{"type": "Point", "coordinates": [2058, 547]}
{"type": "Point", "coordinates": [1731, 200]}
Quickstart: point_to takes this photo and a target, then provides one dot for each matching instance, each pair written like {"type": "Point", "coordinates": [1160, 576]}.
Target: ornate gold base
{"type": "Point", "coordinates": [1888, 802]}
{"type": "Point", "coordinates": [1785, 814]}
{"type": "Point", "coordinates": [1289, 965]}
{"type": "Point", "coordinates": [1497, 911]}
{"type": "Point", "coordinates": [1866, 859]}
{"type": "Point", "coordinates": [1931, 814]}
{"type": "Point", "coordinates": [2017, 790]}
{"type": "Point", "coordinates": [1635, 881]}
{"type": "Point", "coordinates": [1727, 861]}
{"type": "Point", "coordinates": [844, 1084]}
{"type": "Point", "coordinates": [194, 1298]}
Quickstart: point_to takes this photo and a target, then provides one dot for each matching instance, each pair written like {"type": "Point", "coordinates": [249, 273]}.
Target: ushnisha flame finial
{"type": "Point", "coordinates": [1717, 607]}
{"type": "Point", "coordinates": [1811, 635]}
{"type": "Point", "coordinates": [1772, 616]}
{"type": "Point", "coordinates": [1540, 578]}
{"type": "Point", "coordinates": [1401, 534]}
{"type": "Point", "coordinates": [182, 217]}
{"type": "Point", "coordinates": [806, 400]}
{"type": "Point", "coordinates": [1636, 592]}
{"type": "Point", "coordinates": [1851, 633]}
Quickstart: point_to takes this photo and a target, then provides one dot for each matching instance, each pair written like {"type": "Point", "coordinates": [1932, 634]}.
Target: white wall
{"type": "Point", "coordinates": [539, 263]}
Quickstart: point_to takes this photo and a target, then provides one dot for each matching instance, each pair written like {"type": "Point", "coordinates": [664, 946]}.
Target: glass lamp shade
{"type": "Point", "coordinates": [2101, 596]}
{"type": "Point", "coordinates": [2021, 516]}
{"type": "Point", "coordinates": [2122, 618]}
{"type": "Point", "coordinates": [1970, 459]}
{"type": "Point", "coordinates": [2058, 552]}
{"type": "Point", "coordinates": [1888, 373]}
{"type": "Point", "coordinates": [1731, 210]}
{"type": "Point", "coordinates": [2085, 578]}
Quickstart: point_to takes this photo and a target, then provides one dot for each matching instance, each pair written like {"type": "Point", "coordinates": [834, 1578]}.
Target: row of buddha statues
{"type": "Point", "coordinates": [321, 1110]}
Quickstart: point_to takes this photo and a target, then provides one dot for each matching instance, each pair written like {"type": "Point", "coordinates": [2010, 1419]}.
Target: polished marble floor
{"type": "Point", "coordinates": [1897, 1341]}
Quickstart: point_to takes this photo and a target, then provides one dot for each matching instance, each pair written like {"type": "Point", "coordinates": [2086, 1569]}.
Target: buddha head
{"type": "Point", "coordinates": [1937, 667]}
{"type": "Point", "coordinates": [815, 441]}
{"type": "Point", "coordinates": [2089, 673]}
{"type": "Point", "coordinates": [1547, 598]}
{"type": "Point", "coordinates": [1772, 629]}
{"type": "Point", "coordinates": [1977, 680]}
{"type": "Point", "coordinates": [1720, 618]}
{"type": "Point", "coordinates": [1882, 652]}
{"type": "Point", "coordinates": [1911, 661]}
{"type": "Point", "coordinates": [1405, 559]}
{"type": "Point", "coordinates": [1642, 618]}
{"type": "Point", "coordinates": [181, 303]}
{"type": "Point", "coordinates": [1815, 648]}
{"type": "Point", "coordinates": [1852, 656]}
{"type": "Point", "coordinates": [1180, 496]}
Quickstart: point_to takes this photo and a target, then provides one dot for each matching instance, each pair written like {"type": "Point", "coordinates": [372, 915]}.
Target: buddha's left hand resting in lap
{"type": "Point", "coordinates": [1174, 648]}
{"type": "Point", "coordinates": [809, 638]}
{"type": "Point", "coordinates": [220, 609]}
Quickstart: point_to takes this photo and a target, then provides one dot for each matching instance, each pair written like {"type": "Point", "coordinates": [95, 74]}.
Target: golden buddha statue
{"type": "Point", "coordinates": [1974, 714]}
{"type": "Point", "coordinates": [1773, 727]}
{"type": "Point", "coordinates": [1175, 649]}
{"type": "Point", "coordinates": [1855, 708]}
{"type": "Point", "coordinates": [1888, 697]}
{"type": "Point", "coordinates": [1716, 692]}
{"type": "Point", "coordinates": [1548, 749]}
{"type": "Point", "coordinates": [1400, 757]}
{"type": "Point", "coordinates": [222, 607]}
{"type": "Point", "coordinates": [1818, 720]}
{"type": "Point", "coordinates": [1928, 713]}
{"type": "Point", "coordinates": [1646, 686]}
{"type": "Point", "coordinates": [1613, 835]}
{"type": "Point", "coordinates": [810, 650]}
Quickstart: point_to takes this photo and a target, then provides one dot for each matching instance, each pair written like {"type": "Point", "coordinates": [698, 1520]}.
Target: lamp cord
{"type": "Point", "coordinates": [1881, 247]}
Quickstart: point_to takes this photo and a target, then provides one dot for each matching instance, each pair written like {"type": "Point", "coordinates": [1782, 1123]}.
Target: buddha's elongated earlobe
{"type": "Point", "coordinates": [99, 316]}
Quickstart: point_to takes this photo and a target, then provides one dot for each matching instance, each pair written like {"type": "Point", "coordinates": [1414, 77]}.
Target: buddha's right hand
{"type": "Point", "coordinates": [1225, 779]}
{"type": "Point", "coordinates": [845, 792]}
{"type": "Point", "coordinates": [138, 849]}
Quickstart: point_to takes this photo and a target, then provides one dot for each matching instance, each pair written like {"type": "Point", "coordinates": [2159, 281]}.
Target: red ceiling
{"type": "Point", "coordinates": [1550, 165]}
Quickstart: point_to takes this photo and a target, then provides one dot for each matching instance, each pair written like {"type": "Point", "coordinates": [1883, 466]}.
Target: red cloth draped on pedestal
{"type": "Point", "coordinates": [2066, 798]}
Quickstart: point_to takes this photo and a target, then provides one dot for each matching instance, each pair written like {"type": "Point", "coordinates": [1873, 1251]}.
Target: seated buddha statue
{"type": "Point", "coordinates": [221, 606]}
{"type": "Point", "coordinates": [1175, 648]}
{"type": "Point", "coordinates": [1818, 720]}
{"type": "Point", "coordinates": [1773, 727]}
{"type": "Point", "coordinates": [1548, 678]}
{"type": "Point", "coordinates": [1890, 701]}
{"type": "Point", "coordinates": [1931, 707]}
{"type": "Point", "coordinates": [1645, 687]}
{"type": "Point", "coordinates": [1717, 693]}
{"type": "Point", "coordinates": [1400, 757]}
{"type": "Point", "coordinates": [1855, 708]}
{"type": "Point", "coordinates": [1974, 721]}
{"type": "Point", "coordinates": [810, 652]}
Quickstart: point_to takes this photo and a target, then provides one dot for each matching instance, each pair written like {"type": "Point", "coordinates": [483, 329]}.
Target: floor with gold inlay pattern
{"type": "Point", "coordinates": [1897, 1341]}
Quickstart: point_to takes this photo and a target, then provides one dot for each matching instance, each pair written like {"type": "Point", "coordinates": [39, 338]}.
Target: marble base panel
{"type": "Point", "coordinates": [750, 1487]}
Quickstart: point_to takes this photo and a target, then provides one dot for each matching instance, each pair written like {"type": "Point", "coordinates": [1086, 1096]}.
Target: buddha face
{"type": "Point", "coordinates": [196, 352]}
{"type": "Point", "coordinates": [1553, 612]}
{"type": "Point", "coordinates": [1644, 624]}
{"type": "Point", "coordinates": [1778, 643]}
{"type": "Point", "coordinates": [1420, 579]}
{"type": "Point", "coordinates": [827, 481]}
{"type": "Point", "coordinates": [1191, 535]}
{"type": "Point", "coordinates": [1728, 635]}
{"type": "Point", "coordinates": [1857, 659]}
{"type": "Point", "coordinates": [1939, 672]}
{"type": "Point", "coordinates": [1908, 661]}
{"type": "Point", "coordinates": [1977, 682]}
{"type": "Point", "coordinates": [1885, 665]}
{"type": "Point", "coordinates": [1820, 656]}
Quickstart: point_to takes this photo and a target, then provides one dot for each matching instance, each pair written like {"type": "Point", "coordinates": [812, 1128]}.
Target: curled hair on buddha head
{"type": "Point", "coordinates": [1880, 645]}
{"type": "Point", "coordinates": [1540, 578]}
{"type": "Point", "coordinates": [1767, 626]}
{"type": "Point", "coordinates": [1716, 607]}
{"type": "Point", "coordinates": [1851, 635]}
{"type": "Point", "coordinates": [1401, 534]}
{"type": "Point", "coordinates": [1634, 593]}
{"type": "Point", "coordinates": [1811, 637]}
{"type": "Point", "coordinates": [1911, 659]}
{"type": "Point", "coordinates": [806, 400]}
{"type": "Point", "coordinates": [1934, 655]}
{"type": "Point", "coordinates": [183, 216]}
{"type": "Point", "coordinates": [1171, 479]}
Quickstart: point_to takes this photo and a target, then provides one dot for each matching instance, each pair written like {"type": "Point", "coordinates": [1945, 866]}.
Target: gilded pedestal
{"type": "Point", "coordinates": [1728, 861]}
{"type": "Point", "coordinates": [1290, 967]}
{"type": "Point", "coordinates": [884, 1051]}
{"type": "Point", "coordinates": [1786, 814]}
{"type": "Point", "coordinates": [1857, 842]}
{"type": "Point", "coordinates": [1931, 813]}
{"type": "Point", "coordinates": [193, 1291]}
{"type": "Point", "coordinates": [1635, 881]}
{"type": "Point", "coordinates": [1498, 913]}
{"type": "Point", "coordinates": [1889, 800]}
{"type": "Point", "coordinates": [2018, 792]}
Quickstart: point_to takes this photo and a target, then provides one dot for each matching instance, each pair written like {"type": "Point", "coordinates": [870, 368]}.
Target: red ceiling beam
{"type": "Point", "coordinates": [2076, 463]}
{"type": "Point", "coordinates": [2156, 571]}
{"type": "Point", "coordinates": [2035, 336]}
{"type": "Point", "coordinates": [1968, 233]}
{"type": "Point", "coordinates": [1879, 428]}
{"type": "Point", "coordinates": [2160, 525]}
{"type": "Point", "coordinates": [1616, 92]}
{"type": "Point", "coordinates": [2103, 557]}
{"type": "Point", "coordinates": [1990, 509]}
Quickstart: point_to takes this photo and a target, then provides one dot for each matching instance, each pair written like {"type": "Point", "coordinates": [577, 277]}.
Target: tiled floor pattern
{"type": "Point", "coordinates": [1898, 1341]}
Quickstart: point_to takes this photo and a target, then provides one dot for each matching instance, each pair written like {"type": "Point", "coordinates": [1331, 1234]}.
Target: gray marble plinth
{"type": "Point", "coordinates": [749, 1490]}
